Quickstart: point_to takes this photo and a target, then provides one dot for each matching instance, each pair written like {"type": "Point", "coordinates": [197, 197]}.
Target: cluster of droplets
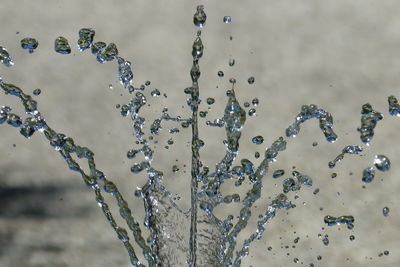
{"type": "Point", "coordinates": [311, 111]}
{"type": "Point", "coordinates": [369, 119]}
{"type": "Point", "coordinates": [209, 194]}
{"type": "Point", "coordinates": [381, 163]}
{"type": "Point", "coordinates": [345, 219]}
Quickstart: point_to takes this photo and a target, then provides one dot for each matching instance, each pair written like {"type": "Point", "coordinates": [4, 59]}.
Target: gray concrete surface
{"type": "Point", "coordinates": [336, 54]}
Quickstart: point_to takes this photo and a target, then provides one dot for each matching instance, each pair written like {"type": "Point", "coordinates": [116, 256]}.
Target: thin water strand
{"type": "Point", "coordinates": [352, 150]}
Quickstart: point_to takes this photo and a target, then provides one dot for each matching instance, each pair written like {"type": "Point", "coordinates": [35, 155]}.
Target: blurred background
{"type": "Point", "coordinates": [338, 55]}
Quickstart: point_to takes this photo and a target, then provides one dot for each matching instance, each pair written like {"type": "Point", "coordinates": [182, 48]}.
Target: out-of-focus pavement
{"type": "Point", "coordinates": [338, 55]}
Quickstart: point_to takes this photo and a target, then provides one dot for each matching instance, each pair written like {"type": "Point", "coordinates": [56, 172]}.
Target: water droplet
{"type": "Point", "coordinates": [61, 45]}
{"type": "Point", "coordinates": [314, 143]}
{"type": "Point", "coordinates": [197, 49]}
{"type": "Point", "coordinates": [220, 73]}
{"type": "Point", "coordinates": [37, 91]}
{"type": "Point", "coordinates": [258, 140]}
{"type": "Point", "coordinates": [175, 168]}
{"type": "Point", "coordinates": [382, 163]}
{"type": "Point", "coordinates": [386, 252]}
{"type": "Point", "coordinates": [278, 173]}
{"type": "Point", "coordinates": [331, 221]}
{"type": "Point", "coordinates": [385, 211]}
{"type": "Point", "coordinates": [394, 106]}
{"type": "Point", "coordinates": [368, 175]}
{"type": "Point", "coordinates": [109, 53]}
{"type": "Point", "coordinates": [289, 184]}
{"type": "Point", "coordinates": [251, 80]}
{"type": "Point", "coordinates": [227, 19]}
{"type": "Point", "coordinates": [210, 101]}
{"type": "Point", "coordinates": [174, 130]}
{"type": "Point", "coordinates": [255, 102]}
{"type": "Point", "coordinates": [199, 18]}
{"type": "Point", "coordinates": [5, 57]}
{"type": "Point", "coordinates": [232, 80]}
{"type": "Point", "coordinates": [252, 112]}
{"type": "Point", "coordinates": [85, 40]}
{"type": "Point", "coordinates": [136, 168]}
{"type": "Point", "coordinates": [203, 114]}
{"type": "Point", "coordinates": [155, 93]}
{"type": "Point", "coordinates": [352, 237]}
{"type": "Point", "coordinates": [325, 240]}
{"type": "Point", "coordinates": [97, 47]}
{"type": "Point", "coordinates": [369, 119]}
{"type": "Point", "coordinates": [147, 83]}
{"type": "Point", "coordinates": [125, 75]}
{"type": "Point", "coordinates": [231, 62]}
{"type": "Point", "coordinates": [29, 43]}
{"type": "Point", "coordinates": [333, 175]}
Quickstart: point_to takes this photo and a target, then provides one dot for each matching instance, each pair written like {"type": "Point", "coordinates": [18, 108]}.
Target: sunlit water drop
{"type": "Point", "coordinates": [382, 163]}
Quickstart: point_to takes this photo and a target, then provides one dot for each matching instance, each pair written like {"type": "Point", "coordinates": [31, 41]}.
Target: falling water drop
{"type": "Point", "coordinates": [368, 175]}
{"type": "Point", "coordinates": [85, 40]}
{"type": "Point", "coordinates": [382, 163]}
{"type": "Point", "coordinates": [232, 62]}
{"type": "Point", "coordinates": [30, 44]}
{"type": "Point", "coordinates": [250, 80]}
{"type": "Point", "coordinates": [155, 93]}
{"type": "Point", "coordinates": [258, 140]}
{"type": "Point", "coordinates": [61, 45]}
{"type": "Point", "coordinates": [199, 18]}
{"type": "Point", "coordinates": [5, 57]}
{"type": "Point", "coordinates": [37, 91]}
{"type": "Point", "coordinates": [227, 19]}
{"type": "Point", "coordinates": [210, 100]}
{"type": "Point", "coordinates": [278, 173]}
{"type": "Point", "coordinates": [385, 211]}
{"type": "Point", "coordinates": [325, 240]}
{"type": "Point", "coordinates": [394, 106]}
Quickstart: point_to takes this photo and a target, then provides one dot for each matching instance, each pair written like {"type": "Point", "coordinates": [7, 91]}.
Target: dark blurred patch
{"type": "Point", "coordinates": [40, 202]}
{"type": "Point", "coordinates": [6, 238]}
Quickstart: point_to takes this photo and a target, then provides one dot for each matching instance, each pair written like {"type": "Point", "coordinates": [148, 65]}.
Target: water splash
{"type": "Point", "coordinates": [213, 241]}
